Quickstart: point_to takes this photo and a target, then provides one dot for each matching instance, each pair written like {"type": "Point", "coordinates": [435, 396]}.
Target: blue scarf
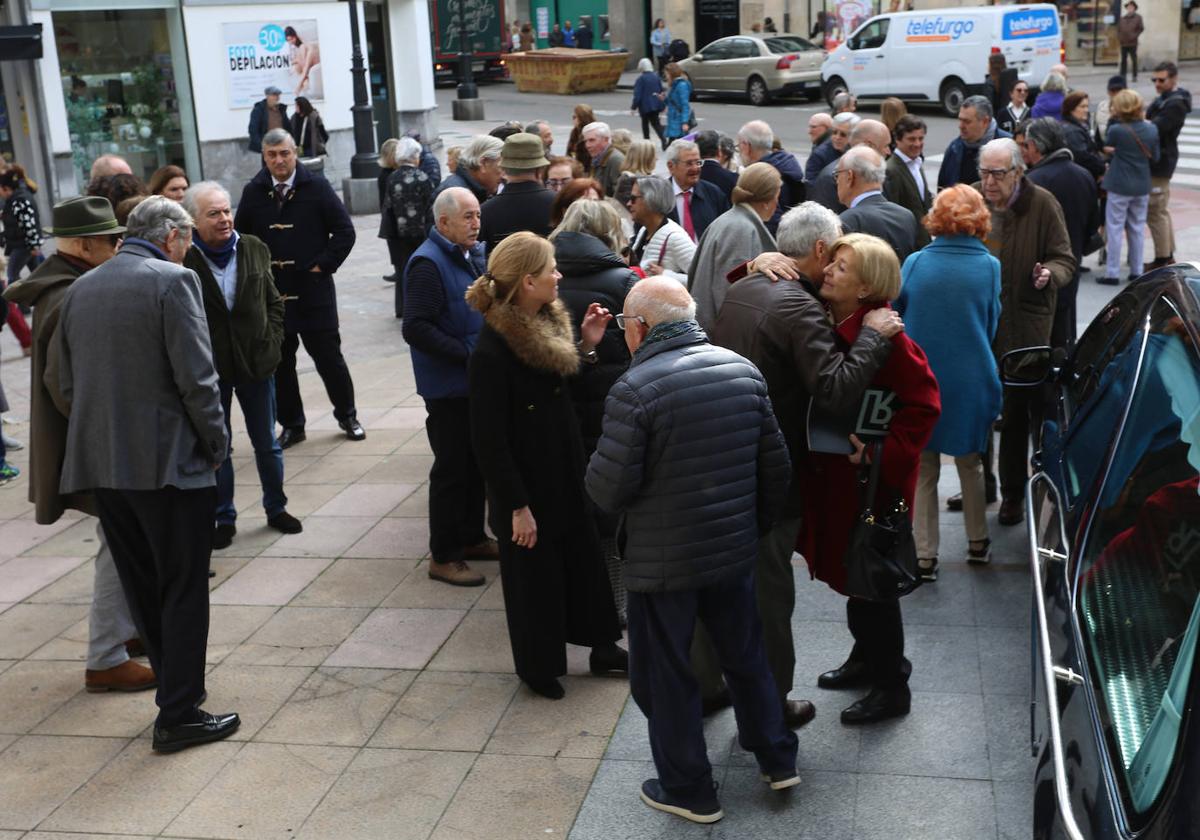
{"type": "Point", "coordinates": [221, 256]}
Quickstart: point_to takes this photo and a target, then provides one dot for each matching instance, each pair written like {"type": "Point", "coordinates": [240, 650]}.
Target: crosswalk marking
{"type": "Point", "coordinates": [1187, 172]}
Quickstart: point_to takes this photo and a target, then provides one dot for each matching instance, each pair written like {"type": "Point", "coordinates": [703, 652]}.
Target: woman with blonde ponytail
{"type": "Point", "coordinates": [526, 440]}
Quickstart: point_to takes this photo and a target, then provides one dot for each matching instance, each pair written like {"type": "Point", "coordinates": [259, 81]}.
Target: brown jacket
{"type": "Point", "coordinates": [1032, 231]}
{"type": "Point", "coordinates": [44, 290]}
{"type": "Point", "coordinates": [1129, 27]}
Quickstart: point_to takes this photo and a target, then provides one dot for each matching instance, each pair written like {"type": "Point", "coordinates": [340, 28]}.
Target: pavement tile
{"type": "Point", "coordinates": [223, 568]}
{"type": "Point", "coordinates": [394, 537]}
{"type": "Point", "coordinates": [75, 587]}
{"type": "Point", "coordinates": [139, 791]}
{"type": "Point", "coordinates": [58, 835]}
{"type": "Point", "coordinates": [820, 646]}
{"type": "Point", "coordinates": [943, 658]}
{"type": "Point", "coordinates": [21, 577]}
{"type": "Point", "coordinates": [253, 535]}
{"type": "Point", "coordinates": [479, 644]}
{"type": "Point", "coordinates": [1003, 596]}
{"type": "Point", "coordinates": [298, 636]}
{"type": "Point", "coordinates": [1004, 658]}
{"type": "Point", "coordinates": [631, 738]}
{"type": "Point", "coordinates": [891, 807]}
{"type": "Point", "coordinates": [820, 808]}
{"type": "Point", "coordinates": [1014, 808]}
{"type": "Point", "coordinates": [302, 499]}
{"type": "Point", "coordinates": [268, 790]}
{"type": "Point", "coordinates": [336, 468]}
{"type": "Point", "coordinates": [38, 773]}
{"type": "Point", "coordinates": [398, 794]}
{"type": "Point", "coordinates": [71, 644]}
{"type": "Point", "coordinates": [26, 627]}
{"type": "Point", "coordinates": [355, 582]}
{"type": "Point", "coordinates": [229, 625]}
{"type": "Point", "coordinates": [943, 735]}
{"type": "Point", "coordinates": [337, 706]}
{"type": "Point", "coordinates": [396, 638]}
{"type": "Point", "coordinates": [113, 714]}
{"type": "Point", "coordinates": [366, 500]}
{"type": "Point", "coordinates": [1009, 755]}
{"type": "Point", "coordinates": [255, 692]}
{"type": "Point", "coordinates": [415, 505]}
{"type": "Point", "coordinates": [825, 744]}
{"type": "Point", "coordinates": [79, 540]}
{"type": "Point", "coordinates": [269, 580]}
{"type": "Point", "coordinates": [323, 536]}
{"type": "Point", "coordinates": [411, 418]}
{"type": "Point", "coordinates": [18, 536]}
{"type": "Point", "coordinates": [446, 710]}
{"type": "Point", "coordinates": [400, 468]}
{"type": "Point", "coordinates": [418, 444]}
{"type": "Point", "coordinates": [577, 727]}
{"type": "Point", "coordinates": [493, 595]}
{"type": "Point", "coordinates": [514, 797]}
{"type": "Point", "coordinates": [948, 601]}
{"type": "Point", "coordinates": [419, 590]}
{"type": "Point", "coordinates": [614, 810]}
{"type": "Point", "coordinates": [814, 600]}
{"type": "Point", "coordinates": [31, 691]}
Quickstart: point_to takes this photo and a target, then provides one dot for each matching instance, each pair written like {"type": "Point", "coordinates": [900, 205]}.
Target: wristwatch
{"type": "Point", "coordinates": [588, 358]}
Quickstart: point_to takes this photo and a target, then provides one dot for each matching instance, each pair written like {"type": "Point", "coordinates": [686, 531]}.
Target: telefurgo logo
{"type": "Point", "coordinates": [1030, 24]}
{"type": "Point", "coordinates": [939, 29]}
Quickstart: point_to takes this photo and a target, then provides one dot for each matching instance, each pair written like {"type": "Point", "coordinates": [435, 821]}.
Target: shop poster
{"type": "Point", "coordinates": [283, 53]}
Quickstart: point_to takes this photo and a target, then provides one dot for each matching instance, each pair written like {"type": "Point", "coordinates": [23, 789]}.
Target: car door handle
{"type": "Point", "coordinates": [880, 55]}
{"type": "Point", "coordinates": [1066, 675]}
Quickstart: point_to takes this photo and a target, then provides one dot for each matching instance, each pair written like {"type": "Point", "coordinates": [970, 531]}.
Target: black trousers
{"type": "Point", "coordinates": [1131, 54]}
{"type": "Point", "coordinates": [325, 349]}
{"type": "Point", "coordinates": [456, 491]}
{"type": "Point", "coordinates": [878, 631]}
{"type": "Point", "coordinates": [649, 121]}
{"type": "Point", "coordinates": [1062, 333]}
{"type": "Point", "coordinates": [161, 542]}
{"type": "Point", "coordinates": [665, 689]}
{"type": "Point", "coordinates": [399, 252]}
{"type": "Point", "coordinates": [1021, 425]}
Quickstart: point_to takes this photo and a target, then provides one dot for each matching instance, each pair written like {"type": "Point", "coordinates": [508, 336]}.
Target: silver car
{"type": "Point", "coordinates": [759, 66]}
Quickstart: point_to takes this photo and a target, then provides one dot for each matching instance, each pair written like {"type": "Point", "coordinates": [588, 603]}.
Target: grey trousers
{"type": "Point", "coordinates": [775, 592]}
{"type": "Point", "coordinates": [110, 624]}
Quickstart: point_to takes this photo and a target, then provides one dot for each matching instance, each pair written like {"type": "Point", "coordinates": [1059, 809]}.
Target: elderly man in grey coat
{"type": "Point", "coordinates": [132, 369]}
{"type": "Point", "coordinates": [692, 527]}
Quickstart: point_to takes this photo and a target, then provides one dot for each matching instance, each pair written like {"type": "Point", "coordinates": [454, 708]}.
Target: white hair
{"type": "Point", "coordinates": [660, 301]}
{"type": "Point", "coordinates": [447, 201]}
{"type": "Point", "coordinates": [681, 145]}
{"type": "Point", "coordinates": [848, 118]}
{"type": "Point", "coordinates": [803, 226]}
{"type": "Point", "coordinates": [1054, 81]}
{"type": "Point", "coordinates": [155, 217]}
{"type": "Point", "coordinates": [192, 196]}
{"type": "Point", "coordinates": [1009, 147]}
{"type": "Point", "coordinates": [657, 194]}
{"type": "Point", "coordinates": [407, 149]}
{"type": "Point", "coordinates": [479, 151]}
{"type": "Point", "coordinates": [645, 66]}
{"type": "Point", "coordinates": [757, 135]}
{"type": "Point", "coordinates": [600, 128]}
{"type": "Point", "coordinates": [865, 163]}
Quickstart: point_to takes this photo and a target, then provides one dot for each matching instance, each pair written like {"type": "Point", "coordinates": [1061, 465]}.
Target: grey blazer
{"type": "Point", "coordinates": [879, 217]}
{"type": "Point", "coordinates": [735, 236]}
{"type": "Point", "coordinates": [131, 366]}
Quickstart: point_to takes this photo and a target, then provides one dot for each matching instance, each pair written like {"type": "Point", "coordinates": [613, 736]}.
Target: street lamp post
{"type": "Point", "coordinates": [467, 105]}
{"type": "Point", "coordinates": [365, 163]}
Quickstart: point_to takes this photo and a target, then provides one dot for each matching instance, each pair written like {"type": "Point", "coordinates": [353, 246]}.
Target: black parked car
{"type": "Point", "coordinates": [1114, 539]}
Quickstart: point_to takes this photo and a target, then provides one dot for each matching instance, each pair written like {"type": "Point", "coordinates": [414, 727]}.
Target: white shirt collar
{"type": "Point", "coordinates": [858, 199]}
{"type": "Point", "coordinates": [906, 159]}
{"type": "Point", "coordinates": [678, 189]}
{"type": "Point", "coordinates": [291, 180]}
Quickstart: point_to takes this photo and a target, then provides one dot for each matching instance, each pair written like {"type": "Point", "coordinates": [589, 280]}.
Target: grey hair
{"type": "Point", "coordinates": [407, 149]}
{"type": "Point", "coordinates": [656, 194]}
{"type": "Point", "coordinates": [446, 202]}
{"type": "Point", "coordinates": [983, 108]}
{"type": "Point", "coordinates": [726, 145]}
{"type": "Point", "coordinates": [803, 226]}
{"type": "Point", "coordinates": [596, 218]}
{"type": "Point", "coordinates": [847, 118]}
{"type": "Point", "coordinates": [645, 66]}
{"type": "Point", "coordinates": [278, 137]}
{"type": "Point", "coordinates": [600, 128]}
{"type": "Point", "coordinates": [842, 100]}
{"type": "Point", "coordinates": [479, 151]}
{"type": "Point", "coordinates": [1008, 145]}
{"type": "Point", "coordinates": [679, 146]}
{"type": "Point", "coordinates": [1054, 81]}
{"type": "Point", "coordinates": [659, 309]}
{"type": "Point", "coordinates": [191, 197]}
{"type": "Point", "coordinates": [865, 163]}
{"type": "Point", "coordinates": [1046, 133]}
{"type": "Point", "coordinates": [155, 217]}
{"type": "Point", "coordinates": [535, 127]}
{"type": "Point", "coordinates": [757, 135]}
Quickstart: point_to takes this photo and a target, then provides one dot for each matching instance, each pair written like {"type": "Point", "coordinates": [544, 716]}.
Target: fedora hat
{"type": "Point", "coordinates": [523, 151]}
{"type": "Point", "coordinates": [89, 215]}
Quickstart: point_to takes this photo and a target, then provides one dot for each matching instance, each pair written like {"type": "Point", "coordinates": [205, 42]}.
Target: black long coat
{"type": "Point", "coordinates": [311, 228]}
{"type": "Point", "coordinates": [524, 205]}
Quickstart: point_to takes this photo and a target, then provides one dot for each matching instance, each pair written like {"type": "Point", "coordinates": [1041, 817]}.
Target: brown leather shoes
{"type": "Point", "coordinates": [135, 648]}
{"type": "Point", "coordinates": [128, 676]}
{"type": "Point", "coordinates": [455, 573]}
{"type": "Point", "coordinates": [486, 550]}
{"type": "Point", "coordinates": [796, 713]}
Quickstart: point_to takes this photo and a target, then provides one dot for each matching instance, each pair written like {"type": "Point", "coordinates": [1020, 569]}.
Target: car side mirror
{"type": "Point", "coordinates": [1028, 367]}
{"type": "Point", "coordinates": [698, 57]}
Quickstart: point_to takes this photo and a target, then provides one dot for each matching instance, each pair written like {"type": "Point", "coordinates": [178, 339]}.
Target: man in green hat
{"type": "Point", "coordinates": [525, 203]}
{"type": "Point", "coordinates": [87, 234]}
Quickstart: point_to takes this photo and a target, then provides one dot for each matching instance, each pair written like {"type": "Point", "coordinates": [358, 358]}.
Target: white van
{"type": "Point", "coordinates": [941, 55]}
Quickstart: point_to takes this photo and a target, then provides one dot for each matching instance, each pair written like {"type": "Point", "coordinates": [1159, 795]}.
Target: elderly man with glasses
{"type": "Point", "coordinates": [697, 203]}
{"type": "Point", "coordinates": [1029, 237]}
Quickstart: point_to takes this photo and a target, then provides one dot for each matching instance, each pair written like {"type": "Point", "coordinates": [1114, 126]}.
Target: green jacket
{"type": "Point", "coordinates": [245, 340]}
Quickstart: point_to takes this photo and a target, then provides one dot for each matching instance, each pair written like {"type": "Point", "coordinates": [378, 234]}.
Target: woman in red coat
{"type": "Point", "coordinates": [864, 275]}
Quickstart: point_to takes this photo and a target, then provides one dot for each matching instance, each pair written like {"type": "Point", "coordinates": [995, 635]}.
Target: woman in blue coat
{"type": "Point", "coordinates": [950, 301]}
{"type": "Point", "coordinates": [679, 105]}
{"type": "Point", "coordinates": [648, 100]}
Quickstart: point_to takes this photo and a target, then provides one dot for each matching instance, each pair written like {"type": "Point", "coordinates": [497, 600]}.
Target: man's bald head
{"type": "Point", "coordinates": [872, 133]}
{"type": "Point", "coordinates": [655, 300]}
{"type": "Point", "coordinates": [107, 165]}
{"type": "Point", "coordinates": [819, 124]}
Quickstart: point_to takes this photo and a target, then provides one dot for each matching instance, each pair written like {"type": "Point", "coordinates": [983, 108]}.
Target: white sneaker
{"type": "Point", "coordinates": [11, 443]}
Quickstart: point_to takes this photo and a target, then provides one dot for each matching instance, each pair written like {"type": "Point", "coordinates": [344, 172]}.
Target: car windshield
{"type": "Point", "coordinates": [1140, 569]}
{"type": "Point", "coordinates": [778, 46]}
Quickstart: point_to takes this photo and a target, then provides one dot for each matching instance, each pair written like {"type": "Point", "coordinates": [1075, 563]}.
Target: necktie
{"type": "Point", "coordinates": [281, 191]}
{"type": "Point", "coordinates": [687, 215]}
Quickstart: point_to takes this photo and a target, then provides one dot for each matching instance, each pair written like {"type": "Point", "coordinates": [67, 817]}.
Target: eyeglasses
{"type": "Point", "coordinates": [632, 199]}
{"type": "Point", "coordinates": [556, 182]}
{"type": "Point", "coordinates": [838, 173]}
{"type": "Point", "coordinates": [994, 174]}
{"type": "Point", "coordinates": [622, 319]}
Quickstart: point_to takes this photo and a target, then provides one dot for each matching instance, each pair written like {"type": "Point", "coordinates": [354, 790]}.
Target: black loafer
{"type": "Point", "coordinates": [851, 674]}
{"type": "Point", "coordinates": [608, 659]}
{"type": "Point", "coordinates": [796, 713]}
{"type": "Point", "coordinates": [879, 704]}
{"type": "Point", "coordinates": [291, 436]}
{"type": "Point", "coordinates": [285, 522]}
{"type": "Point", "coordinates": [183, 735]}
{"type": "Point", "coordinates": [353, 429]}
{"type": "Point", "coordinates": [223, 535]}
{"type": "Point", "coordinates": [711, 705]}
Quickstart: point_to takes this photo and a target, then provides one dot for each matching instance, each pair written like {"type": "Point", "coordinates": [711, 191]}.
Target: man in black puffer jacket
{"type": "Point", "coordinates": [691, 454]}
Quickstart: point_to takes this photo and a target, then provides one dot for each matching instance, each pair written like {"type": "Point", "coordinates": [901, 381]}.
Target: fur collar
{"type": "Point", "coordinates": [545, 342]}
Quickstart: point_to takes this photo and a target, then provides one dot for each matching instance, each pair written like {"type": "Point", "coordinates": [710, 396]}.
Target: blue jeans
{"type": "Point", "coordinates": [257, 400]}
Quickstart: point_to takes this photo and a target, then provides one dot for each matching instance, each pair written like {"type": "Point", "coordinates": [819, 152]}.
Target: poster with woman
{"type": "Point", "coordinates": [285, 54]}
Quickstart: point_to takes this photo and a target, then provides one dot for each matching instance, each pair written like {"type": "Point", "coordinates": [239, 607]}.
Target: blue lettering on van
{"type": "Point", "coordinates": [938, 28]}
{"type": "Point", "coordinates": [1029, 23]}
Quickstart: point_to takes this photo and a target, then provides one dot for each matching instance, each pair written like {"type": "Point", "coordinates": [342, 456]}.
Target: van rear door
{"type": "Point", "coordinates": [1030, 39]}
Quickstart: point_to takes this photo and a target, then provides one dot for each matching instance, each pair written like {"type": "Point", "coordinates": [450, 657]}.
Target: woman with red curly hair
{"type": "Point", "coordinates": [950, 301]}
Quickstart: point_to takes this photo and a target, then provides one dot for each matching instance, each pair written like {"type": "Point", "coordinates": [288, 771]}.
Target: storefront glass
{"type": "Point", "coordinates": [119, 84]}
{"type": "Point", "coordinates": [1091, 31]}
{"type": "Point", "coordinates": [1189, 30]}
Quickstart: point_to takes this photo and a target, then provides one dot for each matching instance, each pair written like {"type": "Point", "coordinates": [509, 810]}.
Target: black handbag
{"type": "Point", "coordinates": [881, 560]}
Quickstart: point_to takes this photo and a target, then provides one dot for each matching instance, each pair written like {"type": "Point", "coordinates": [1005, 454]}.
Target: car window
{"type": "Point", "coordinates": [870, 36]}
{"type": "Point", "coordinates": [779, 46]}
{"type": "Point", "coordinates": [1139, 573]}
{"type": "Point", "coordinates": [744, 48]}
{"type": "Point", "coordinates": [718, 50]}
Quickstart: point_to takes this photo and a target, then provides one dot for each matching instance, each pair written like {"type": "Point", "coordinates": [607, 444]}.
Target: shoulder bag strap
{"type": "Point", "coordinates": [1141, 145]}
{"type": "Point", "coordinates": [662, 252]}
{"type": "Point", "coordinates": [873, 477]}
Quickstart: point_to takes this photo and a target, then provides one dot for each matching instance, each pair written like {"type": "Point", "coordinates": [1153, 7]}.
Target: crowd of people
{"type": "Point", "coordinates": [636, 383]}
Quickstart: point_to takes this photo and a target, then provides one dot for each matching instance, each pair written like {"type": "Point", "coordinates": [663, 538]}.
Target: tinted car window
{"type": "Point", "coordinates": [744, 48]}
{"type": "Point", "coordinates": [870, 36]}
{"type": "Point", "coordinates": [718, 50]}
{"type": "Point", "coordinates": [779, 46]}
{"type": "Point", "coordinates": [1140, 568]}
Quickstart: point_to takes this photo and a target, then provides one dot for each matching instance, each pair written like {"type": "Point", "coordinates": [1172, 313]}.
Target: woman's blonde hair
{"type": "Point", "coordinates": [641, 158]}
{"type": "Point", "coordinates": [877, 264]}
{"type": "Point", "coordinates": [597, 218]}
{"type": "Point", "coordinates": [516, 256]}
{"type": "Point", "coordinates": [387, 153]}
{"type": "Point", "coordinates": [890, 110]}
{"type": "Point", "coordinates": [757, 183]}
{"type": "Point", "coordinates": [1128, 106]}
